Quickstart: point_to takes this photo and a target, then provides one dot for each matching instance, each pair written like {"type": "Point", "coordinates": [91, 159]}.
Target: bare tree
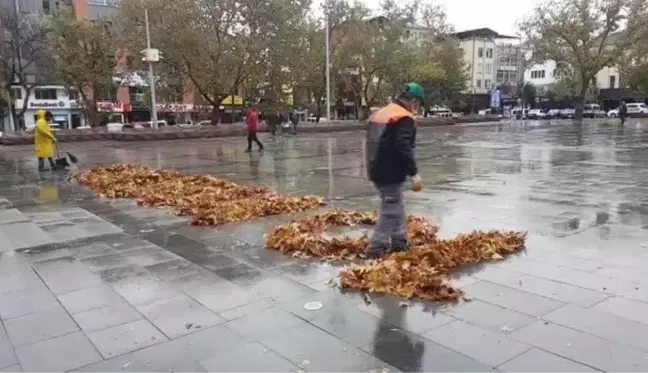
{"type": "Point", "coordinates": [22, 59]}
{"type": "Point", "coordinates": [585, 34]}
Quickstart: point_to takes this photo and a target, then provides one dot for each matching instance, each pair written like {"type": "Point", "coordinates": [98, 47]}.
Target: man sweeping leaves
{"type": "Point", "coordinates": [391, 137]}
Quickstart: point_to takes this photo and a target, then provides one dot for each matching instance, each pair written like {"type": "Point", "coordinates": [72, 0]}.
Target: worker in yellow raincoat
{"type": "Point", "coordinates": [44, 140]}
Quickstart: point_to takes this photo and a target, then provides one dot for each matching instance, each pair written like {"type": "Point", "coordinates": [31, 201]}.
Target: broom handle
{"type": "Point", "coordinates": [57, 150]}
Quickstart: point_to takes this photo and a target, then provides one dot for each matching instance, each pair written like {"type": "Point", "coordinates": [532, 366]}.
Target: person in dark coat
{"type": "Point", "coordinates": [623, 112]}
{"type": "Point", "coordinates": [391, 137]}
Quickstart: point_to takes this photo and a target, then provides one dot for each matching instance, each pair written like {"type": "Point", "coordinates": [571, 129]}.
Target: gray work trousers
{"type": "Point", "coordinates": [391, 228]}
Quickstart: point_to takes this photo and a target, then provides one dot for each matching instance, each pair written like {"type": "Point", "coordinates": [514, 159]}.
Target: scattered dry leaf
{"type": "Point", "coordinates": [208, 199]}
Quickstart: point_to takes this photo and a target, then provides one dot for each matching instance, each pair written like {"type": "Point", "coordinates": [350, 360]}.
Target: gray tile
{"type": "Point", "coordinates": [536, 360]}
{"type": "Point", "coordinates": [91, 250]}
{"type": "Point", "coordinates": [25, 302]}
{"type": "Point", "coordinates": [121, 363]}
{"type": "Point", "coordinates": [24, 235]}
{"type": "Point", "coordinates": [265, 323]}
{"type": "Point", "coordinates": [601, 324]}
{"type": "Point", "coordinates": [144, 289]}
{"type": "Point", "coordinates": [483, 345]}
{"type": "Point", "coordinates": [626, 308]}
{"type": "Point", "coordinates": [541, 286]}
{"type": "Point", "coordinates": [12, 369]}
{"type": "Point", "coordinates": [107, 261]}
{"type": "Point", "coordinates": [253, 357]}
{"type": "Point", "coordinates": [197, 346]}
{"type": "Point", "coordinates": [248, 309]}
{"type": "Point", "coordinates": [89, 298]}
{"type": "Point", "coordinates": [489, 316]}
{"type": "Point", "coordinates": [147, 256]}
{"type": "Point", "coordinates": [279, 288]}
{"type": "Point", "coordinates": [12, 216]}
{"type": "Point", "coordinates": [66, 274]}
{"type": "Point", "coordinates": [126, 338]}
{"type": "Point", "coordinates": [58, 354]}
{"type": "Point", "coordinates": [179, 315]}
{"type": "Point", "coordinates": [510, 298]}
{"type": "Point", "coordinates": [173, 269]}
{"type": "Point", "coordinates": [323, 351]}
{"type": "Point", "coordinates": [7, 356]}
{"type": "Point", "coordinates": [415, 318]}
{"type": "Point", "coordinates": [583, 348]}
{"type": "Point", "coordinates": [39, 326]}
{"type": "Point", "coordinates": [223, 296]}
{"type": "Point", "coordinates": [105, 317]}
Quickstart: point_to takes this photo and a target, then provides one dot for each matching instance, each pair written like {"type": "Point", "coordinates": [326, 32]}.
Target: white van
{"type": "Point", "coordinates": [592, 111]}
{"type": "Point", "coordinates": [637, 108]}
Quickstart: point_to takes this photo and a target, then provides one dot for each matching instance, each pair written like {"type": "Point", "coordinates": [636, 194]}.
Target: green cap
{"type": "Point", "coordinates": [416, 90]}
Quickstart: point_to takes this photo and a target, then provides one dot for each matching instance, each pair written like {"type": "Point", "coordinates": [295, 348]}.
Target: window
{"type": "Point", "coordinates": [16, 93]}
{"type": "Point", "coordinates": [73, 95]}
{"type": "Point", "coordinates": [480, 52]}
{"type": "Point", "coordinates": [480, 68]}
{"type": "Point", "coordinates": [489, 68]}
{"type": "Point", "coordinates": [487, 83]}
{"type": "Point", "coordinates": [45, 94]}
{"type": "Point", "coordinates": [612, 81]}
{"type": "Point", "coordinates": [489, 53]}
{"type": "Point", "coordinates": [537, 74]}
{"type": "Point", "coordinates": [46, 6]}
{"type": "Point", "coordinates": [500, 76]}
{"type": "Point", "coordinates": [478, 85]}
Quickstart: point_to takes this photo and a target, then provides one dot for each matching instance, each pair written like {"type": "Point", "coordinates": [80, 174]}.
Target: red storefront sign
{"type": "Point", "coordinates": [113, 107]}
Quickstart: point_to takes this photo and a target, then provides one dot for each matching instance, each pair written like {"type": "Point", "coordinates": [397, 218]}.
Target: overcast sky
{"type": "Point", "coordinates": [499, 15]}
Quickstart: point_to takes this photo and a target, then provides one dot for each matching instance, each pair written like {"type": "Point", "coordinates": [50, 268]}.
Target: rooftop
{"type": "Point", "coordinates": [481, 33]}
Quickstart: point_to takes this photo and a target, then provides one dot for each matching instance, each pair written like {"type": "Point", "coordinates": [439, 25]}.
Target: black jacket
{"type": "Point", "coordinates": [391, 138]}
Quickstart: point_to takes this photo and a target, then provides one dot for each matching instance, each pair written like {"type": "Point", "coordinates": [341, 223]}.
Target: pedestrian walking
{"type": "Point", "coordinates": [294, 119]}
{"type": "Point", "coordinates": [623, 112]}
{"type": "Point", "coordinates": [252, 121]}
{"type": "Point", "coordinates": [44, 140]}
{"type": "Point", "coordinates": [391, 137]}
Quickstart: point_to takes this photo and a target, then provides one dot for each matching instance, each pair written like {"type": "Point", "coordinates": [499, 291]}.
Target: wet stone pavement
{"type": "Point", "coordinates": [92, 284]}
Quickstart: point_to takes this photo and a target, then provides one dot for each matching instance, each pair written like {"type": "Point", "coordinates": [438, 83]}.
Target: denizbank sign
{"type": "Point", "coordinates": [48, 104]}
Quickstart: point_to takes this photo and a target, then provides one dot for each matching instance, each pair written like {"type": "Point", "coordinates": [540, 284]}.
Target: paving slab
{"type": "Point", "coordinates": [148, 292]}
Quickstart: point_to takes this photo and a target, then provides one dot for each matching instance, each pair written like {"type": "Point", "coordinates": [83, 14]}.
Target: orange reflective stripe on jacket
{"type": "Point", "coordinates": [389, 114]}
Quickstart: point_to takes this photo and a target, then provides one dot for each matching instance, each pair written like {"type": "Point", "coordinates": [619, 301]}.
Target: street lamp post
{"type": "Point", "coordinates": [154, 117]}
{"type": "Point", "coordinates": [328, 65]}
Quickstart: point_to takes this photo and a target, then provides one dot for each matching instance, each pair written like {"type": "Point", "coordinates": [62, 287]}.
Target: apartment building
{"type": "Point", "coordinates": [482, 49]}
{"type": "Point", "coordinates": [545, 74]}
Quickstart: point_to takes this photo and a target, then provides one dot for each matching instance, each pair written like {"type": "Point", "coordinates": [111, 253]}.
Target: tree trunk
{"type": "Point", "coordinates": [91, 113]}
{"type": "Point", "coordinates": [215, 115]}
{"type": "Point", "coordinates": [580, 101]}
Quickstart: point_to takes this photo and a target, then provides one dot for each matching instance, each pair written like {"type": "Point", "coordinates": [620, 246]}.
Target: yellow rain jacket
{"type": "Point", "coordinates": [43, 137]}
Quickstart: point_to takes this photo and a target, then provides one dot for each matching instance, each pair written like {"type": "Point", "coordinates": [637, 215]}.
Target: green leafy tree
{"type": "Point", "coordinates": [219, 46]}
{"type": "Point", "coordinates": [586, 35]}
{"type": "Point", "coordinates": [87, 56]}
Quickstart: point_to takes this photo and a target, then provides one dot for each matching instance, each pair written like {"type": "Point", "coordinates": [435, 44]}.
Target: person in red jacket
{"type": "Point", "coordinates": [252, 121]}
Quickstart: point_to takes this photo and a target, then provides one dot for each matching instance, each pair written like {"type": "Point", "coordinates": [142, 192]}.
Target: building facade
{"type": "Point", "coordinates": [489, 58]}
{"type": "Point", "coordinates": [545, 74]}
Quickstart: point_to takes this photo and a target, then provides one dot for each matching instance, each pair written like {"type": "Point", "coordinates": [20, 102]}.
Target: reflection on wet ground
{"type": "Point", "coordinates": [102, 285]}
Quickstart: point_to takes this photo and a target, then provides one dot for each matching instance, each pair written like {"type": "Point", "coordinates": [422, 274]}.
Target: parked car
{"type": "Point", "coordinates": [53, 126]}
{"type": "Point", "coordinates": [592, 111]}
{"type": "Point", "coordinates": [553, 114]}
{"type": "Point", "coordinates": [613, 113]}
{"type": "Point", "coordinates": [517, 113]}
{"type": "Point", "coordinates": [536, 114]}
{"type": "Point", "coordinates": [567, 113]}
{"type": "Point", "coordinates": [440, 111]}
{"type": "Point", "coordinates": [637, 108]}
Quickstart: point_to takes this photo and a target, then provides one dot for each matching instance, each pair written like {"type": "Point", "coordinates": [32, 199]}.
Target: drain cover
{"type": "Point", "coordinates": [313, 306]}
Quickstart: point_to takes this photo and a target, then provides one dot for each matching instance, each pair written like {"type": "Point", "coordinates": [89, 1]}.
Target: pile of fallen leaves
{"type": "Point", "coordinates": [208, 199]}
{"type": "Point", "coordinates": [420, 272]}
{"type": "Point", "coordinates": [303, 238]}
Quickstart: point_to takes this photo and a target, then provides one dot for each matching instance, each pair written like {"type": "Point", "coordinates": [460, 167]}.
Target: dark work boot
{"type": "Point", "coordinates": [398, 245]}
{"type": "Point", "coordinates": [376, 252]}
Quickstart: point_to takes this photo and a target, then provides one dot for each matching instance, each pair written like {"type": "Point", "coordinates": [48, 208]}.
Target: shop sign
{"type": "Point", "coordinates": [174, 108]}
{"type": "Point", "coordinates": [48, 104]}
{"type": "Point", "coordinates": [113, 107]}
